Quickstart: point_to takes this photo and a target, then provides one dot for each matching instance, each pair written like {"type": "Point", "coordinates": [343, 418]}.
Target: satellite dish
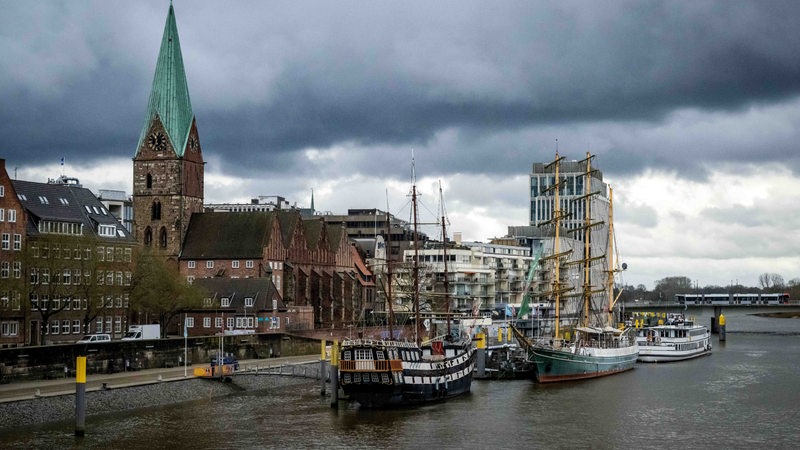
{"type": "Point", "coordinates": [624, 266]}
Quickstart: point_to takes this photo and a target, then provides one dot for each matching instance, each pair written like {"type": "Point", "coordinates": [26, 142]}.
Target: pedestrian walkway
{"type": "Point", "coordinates": [25, 390]}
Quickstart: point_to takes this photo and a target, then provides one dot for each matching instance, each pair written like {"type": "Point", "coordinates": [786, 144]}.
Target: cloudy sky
{"type": "Point", "coordinates": [692, 108]}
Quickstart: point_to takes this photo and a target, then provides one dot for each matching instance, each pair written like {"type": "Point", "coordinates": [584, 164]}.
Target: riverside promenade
{"type": "Point", "coordinates": [26, 390]}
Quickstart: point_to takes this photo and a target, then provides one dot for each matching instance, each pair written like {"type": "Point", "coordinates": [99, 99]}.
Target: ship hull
{"type": "Point", "coordinates": [554, 365]}
{"type": "Point", "coordinates": [414, 379]}
{"type": "Point", "coordinates": [669, 355]}
{"type": "Point", "coordinates": [667, 343]}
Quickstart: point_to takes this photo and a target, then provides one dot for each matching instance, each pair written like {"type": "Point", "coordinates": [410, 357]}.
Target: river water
{"type": "Point", "coordinates": [745, 395]}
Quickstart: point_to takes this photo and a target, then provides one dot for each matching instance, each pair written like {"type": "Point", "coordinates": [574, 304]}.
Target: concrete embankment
{"type": "Point", "coordinates": [117, 399]}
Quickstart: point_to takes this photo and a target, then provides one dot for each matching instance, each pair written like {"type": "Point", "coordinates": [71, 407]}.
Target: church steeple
{"type": "Point", "coordinates": [168, 165]}
{"type": "Point", "coordinates": [169, 96]}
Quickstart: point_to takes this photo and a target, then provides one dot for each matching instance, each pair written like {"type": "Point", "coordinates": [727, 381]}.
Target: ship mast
{"type": "Point", "coordinates": [415, 271]}
{"type": "Point", "coordinates": [587, 242]}
{"type": "Point", "coordinates": [444, 256]}
{"type": "Point", "coordinates": [389, 272]}
{"type": "Point", "coordinates": [556, 221]}
{"type": "Point", "coordinates": [612, 268]}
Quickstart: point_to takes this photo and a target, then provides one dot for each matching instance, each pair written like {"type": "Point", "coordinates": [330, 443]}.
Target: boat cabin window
{"type": "Point", "coordinates": [363, 353]}
{"type": "Point", "coordinates": [380, 355]}
{"type": "Point", "coordinates": [347, 355]}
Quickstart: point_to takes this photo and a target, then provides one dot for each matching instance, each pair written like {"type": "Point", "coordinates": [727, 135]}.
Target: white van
{"type": "Point", "coordinates": [95, 338]}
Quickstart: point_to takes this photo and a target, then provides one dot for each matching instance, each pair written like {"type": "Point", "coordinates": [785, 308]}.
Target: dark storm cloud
{"type": "Point", "coordinates": [269, 79]}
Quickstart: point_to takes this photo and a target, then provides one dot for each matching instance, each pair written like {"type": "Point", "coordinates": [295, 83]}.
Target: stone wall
{"type": "Point", "coordinates": [43, 362]}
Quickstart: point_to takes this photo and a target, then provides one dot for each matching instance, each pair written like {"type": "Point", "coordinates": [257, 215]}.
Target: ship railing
{"type": "Point", "coordinates": [377, 342]}
{"type": "Point", "coordinates": [370, 365]}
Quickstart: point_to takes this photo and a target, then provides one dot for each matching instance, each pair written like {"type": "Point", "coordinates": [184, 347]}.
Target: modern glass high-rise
{"type": "Point", "coordinates": [576, 194]}
{"type": "Point", "coordinates": [571, 196]}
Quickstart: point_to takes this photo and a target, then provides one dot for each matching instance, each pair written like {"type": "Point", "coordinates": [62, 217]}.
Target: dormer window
{"type": "Point", "coordinates": [107, 230]}
{"type": "Point", "coordinates": [226, 301]}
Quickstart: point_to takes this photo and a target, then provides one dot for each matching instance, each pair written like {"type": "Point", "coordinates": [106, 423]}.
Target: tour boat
{"type": "Point", "coordinates": [676, 339]}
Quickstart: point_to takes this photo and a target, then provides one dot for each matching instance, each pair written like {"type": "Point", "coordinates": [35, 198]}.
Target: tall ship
{"type": "Point", "coordinates": [379, 373]}
{"type": "Point", "coordinates": [576, 277]}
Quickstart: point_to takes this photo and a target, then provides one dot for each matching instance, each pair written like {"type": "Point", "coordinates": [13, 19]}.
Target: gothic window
{"type": "Point", "coordinates": [155, 212]}
{"type": "Point", "coordinates": [149, 181]}
{"type": "Point", "coordinates": [162, 237]}
{"type": "Point", "coordinates": [148, 236]}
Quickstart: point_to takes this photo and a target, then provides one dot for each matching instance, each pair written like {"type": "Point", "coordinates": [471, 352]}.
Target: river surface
{"type": "Point", "coordinates": [745, 395]}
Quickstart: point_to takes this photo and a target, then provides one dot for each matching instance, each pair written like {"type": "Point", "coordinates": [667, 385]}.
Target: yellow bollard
{"type": "Point", "coordinates": [80, 396]}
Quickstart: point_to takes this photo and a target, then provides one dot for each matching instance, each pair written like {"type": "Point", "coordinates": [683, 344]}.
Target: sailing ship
{"type": "Point", "coordinates": [580, 341]}
{"type": "Point", "coordinates": [380, 373]}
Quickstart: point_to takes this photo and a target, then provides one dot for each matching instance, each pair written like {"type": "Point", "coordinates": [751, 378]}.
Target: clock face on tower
{"type": "Point", "coordinates": [157, 141]}
{"type": "Point", "coordinates": [194, 145]}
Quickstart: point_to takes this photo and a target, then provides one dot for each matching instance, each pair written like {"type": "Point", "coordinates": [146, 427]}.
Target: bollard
{"type": "Point", "coordinates": [480, 363]}
{"type": "Point", "coordinates": [322, 369]}
{"type": "Point", "coordinates": [722, 328]}
{"type": "Point", "coordinates": [335, 374]}
{"type": "Point", "coordinates": [80, 396]}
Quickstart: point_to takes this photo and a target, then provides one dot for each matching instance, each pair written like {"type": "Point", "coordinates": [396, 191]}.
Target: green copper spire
{"type": "Point", "coordinates": [169, 96]}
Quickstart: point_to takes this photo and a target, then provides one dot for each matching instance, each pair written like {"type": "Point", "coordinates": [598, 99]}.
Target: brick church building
{"type": "Point", "coordinates": [313, 266]}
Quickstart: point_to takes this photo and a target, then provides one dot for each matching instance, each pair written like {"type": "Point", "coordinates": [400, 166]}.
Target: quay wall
{"type": "Point", "coordinates": [107, 402]}
{"type": "Point", "coordinates": [50, 361]}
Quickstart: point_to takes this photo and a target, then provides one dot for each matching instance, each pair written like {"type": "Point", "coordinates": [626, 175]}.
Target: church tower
{"type": "Point", "coordinates": [168, 165]}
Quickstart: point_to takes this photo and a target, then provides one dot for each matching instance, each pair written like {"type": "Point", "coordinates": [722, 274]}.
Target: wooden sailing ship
{"type": "Point", "coordinates": [379, 373]}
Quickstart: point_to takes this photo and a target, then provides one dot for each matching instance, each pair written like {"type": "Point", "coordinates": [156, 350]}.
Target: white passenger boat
{"type": "Point", "coordinates": [676, 339]}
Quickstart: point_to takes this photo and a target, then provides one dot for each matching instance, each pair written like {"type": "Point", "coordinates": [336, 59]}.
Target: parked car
{"type": "Point", "coordinates": [95, 338]}
{"type": "Point", "coordinates": [225, 360]}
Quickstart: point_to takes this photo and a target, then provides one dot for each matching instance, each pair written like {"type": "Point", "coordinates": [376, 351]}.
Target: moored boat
{"type": "Point", "coordinates": [507, 362]}
{"type": "Point", "coordinates": [579, 341]}
{"type": "Point", "coordinates": [380, 374]}
{"type": "Point", "coordinates": [677, 339]}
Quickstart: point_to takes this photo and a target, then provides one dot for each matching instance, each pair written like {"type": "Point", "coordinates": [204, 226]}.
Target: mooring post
{"type": "Point", "coordinates": [722, 327]}
{"type": "Point", "coordinates": [335, 374]}
{"type": "Point", "coordinates": [322, 369]}
{"type": "Point", "coordinates": [80, 396]}
{"type": "Point", "coordinates": [481, 357]}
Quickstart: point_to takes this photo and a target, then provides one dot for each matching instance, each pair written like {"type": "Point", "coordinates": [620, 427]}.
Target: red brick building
{"type": "Point", "coordinates": [12, 279]}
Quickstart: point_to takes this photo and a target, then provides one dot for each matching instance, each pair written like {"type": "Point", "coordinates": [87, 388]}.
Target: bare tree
{"type": "Point", "coordinates": [768, 281]}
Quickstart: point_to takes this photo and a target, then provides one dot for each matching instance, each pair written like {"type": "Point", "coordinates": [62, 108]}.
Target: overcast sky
{"type": "Point", "coordinates": [692, 108]}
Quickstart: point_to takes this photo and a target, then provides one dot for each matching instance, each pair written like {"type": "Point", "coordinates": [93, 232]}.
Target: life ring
{"type": "Point", "coordinates": [658, 339]}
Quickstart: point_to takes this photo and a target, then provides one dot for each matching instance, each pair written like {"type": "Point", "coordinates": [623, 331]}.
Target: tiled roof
{"type": "Point", "coordinates": [65, 203]}
{"type": "Point", "coordinates": [225, 235]}
{"type": "Point", "coordinates": [237, 289]}
{"type": "Point", "coordinates": [169, 96]}
{"type": "Point", "coordinates": [228, 235]}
